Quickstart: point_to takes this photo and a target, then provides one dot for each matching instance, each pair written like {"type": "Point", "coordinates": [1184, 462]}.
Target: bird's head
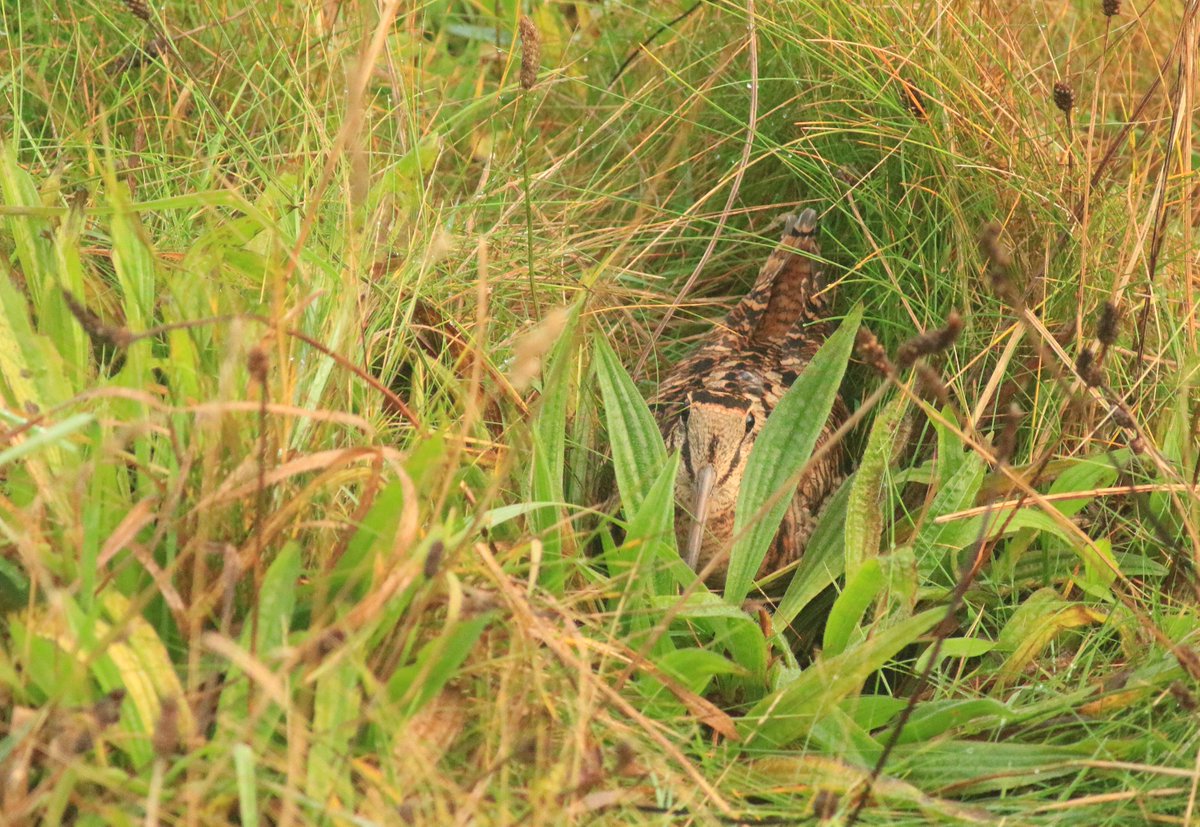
{"type": "Point", "coordinates": [714, 435]}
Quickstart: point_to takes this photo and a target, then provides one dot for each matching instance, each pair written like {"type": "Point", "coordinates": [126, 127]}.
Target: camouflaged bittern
{"type": "Point", "coordinates": [713, 405]}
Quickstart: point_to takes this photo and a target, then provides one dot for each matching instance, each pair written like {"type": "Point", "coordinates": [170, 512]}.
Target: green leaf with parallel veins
{"type": "Point", "coordinates": [974, 767]}
{"type": "Point", "coordinates": [780, 452]}
{"type": "Point", "coordinates": [43, 273]}
{"type": "Point", "coordinates": [648, 555]}
{"type": "Point", "coordinates": [549, 456]}
{"type": "Point", "coordinates": [936, 539]}
{"type": "Point", "coordinates": [851, 605]}
{"type": "Point", "coordinates": [823, 561]}
{"type": "Point", "coordinates": [336, 705]}
{"type": "Point", "coordinates": [638, 449]}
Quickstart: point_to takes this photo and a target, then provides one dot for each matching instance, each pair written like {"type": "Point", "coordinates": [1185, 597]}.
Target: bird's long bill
{"type": "Point", "coordinates": [701, 490]}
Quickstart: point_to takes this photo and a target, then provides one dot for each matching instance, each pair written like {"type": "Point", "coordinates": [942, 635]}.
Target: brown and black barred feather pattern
{"type": "Point", "coordinates": [714, 403]}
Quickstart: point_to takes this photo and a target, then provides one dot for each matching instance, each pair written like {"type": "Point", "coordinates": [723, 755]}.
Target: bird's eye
{"type": "Point", "coordinates": [749, 422]}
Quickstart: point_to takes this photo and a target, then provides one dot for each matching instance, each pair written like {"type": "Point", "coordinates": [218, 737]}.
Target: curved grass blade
{"type": "Point", "coordinates": [781, 450]}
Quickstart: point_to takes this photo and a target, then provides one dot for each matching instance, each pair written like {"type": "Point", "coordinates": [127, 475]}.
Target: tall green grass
{"type": "Point", "coordinates": [329, 494]}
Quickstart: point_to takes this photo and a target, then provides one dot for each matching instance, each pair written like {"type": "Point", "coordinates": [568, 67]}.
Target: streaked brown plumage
{"type": "Point", "coordinates": [714, 403]}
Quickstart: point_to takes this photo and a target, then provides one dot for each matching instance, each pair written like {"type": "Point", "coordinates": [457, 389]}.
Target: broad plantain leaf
{"type": "Point", "coordinates": [823, 561]}
{"type": "Point", "coordinates": [648, 555]}
{"type": "Point", "coordinates": [781, 450]}
{"type": "Point", "coordinates": [549, 456]}
{"type": "Point", "coordinates": [637, 445]}
{"type": "Point", "coordinates": [851, 605]}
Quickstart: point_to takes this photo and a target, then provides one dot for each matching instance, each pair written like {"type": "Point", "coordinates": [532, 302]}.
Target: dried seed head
{"type": "Point", "coordinates": [154, 47]}
{"type": "Point", "coordinates": [591, 770]}
{"type": "Point", "coordinates": [166, 733]}
{"type": "Point", "coordinates": [138, 9]}
{"type": "Point", "coordinates": [873, 353]}
{"type": "Point", "coordinates": [96, 328]}
{"type": "Point", "coordinates": [625, 761]}
{"type": "Point", "coordinates": [329, 640]}
{"type": "Point", "coordinates": [999, 265]}
{"type": "Point", "coordinates": [930, 342]}
{"type": "Point", "coordinates": [1064, 97]}
{"type": "Point", "coordinates": [994, 251]}
{"type": "Point", "coordinates": [74, 738]}
{"type": "Point", "coordinates": [1188, 660]}
{"type": "Point", "coordinates": [150, 50]}
{"type": "Point", "coordinates": [433, 560]}
{"type": "Point", "coordinates": [1089, 369]}
{"type": "Point", "coordinates": [930, 385]}
{"type": "Point", "coordinates": [1007, 440]}
{"type": "Point", "coordinates": [1122, 417]}
{"type": "Point", "coordinates": [1111, 7]}
{"type": "Point", "coordinates": [257, 364]}
{"type": "Point", "coordinates": [107, 710]}
{"type": "Point", "coordinates": [1183, 697]}
{"type": "Point", "coordinates": [825, 804]}
{"type": "Point", "coordinates": [531, 52]}
{"type": "Point", "coordinates": [1110, 321]}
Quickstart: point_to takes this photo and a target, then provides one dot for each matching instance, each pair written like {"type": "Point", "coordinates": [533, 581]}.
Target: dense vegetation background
{"type": "Point", "coordinates": [324, 329]}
